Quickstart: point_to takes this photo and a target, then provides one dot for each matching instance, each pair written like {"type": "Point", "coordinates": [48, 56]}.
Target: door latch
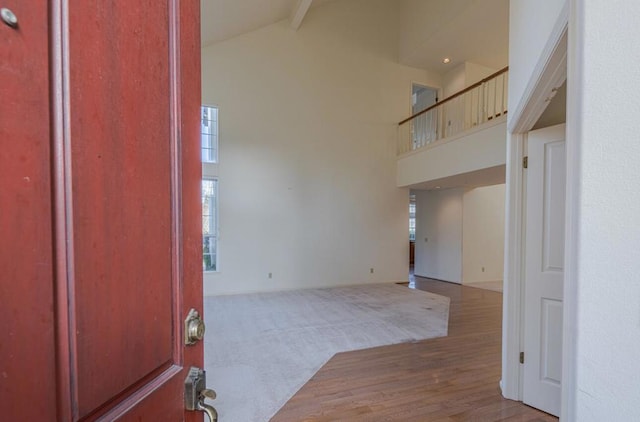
{"type": "Point", "coordinates": [195, 393]}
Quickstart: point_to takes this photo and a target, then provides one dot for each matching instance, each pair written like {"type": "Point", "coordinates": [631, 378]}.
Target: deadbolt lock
{"type": "Point", "coordinates": [196, 392]}
{"type": "Point", "coordinates": [193, 328]}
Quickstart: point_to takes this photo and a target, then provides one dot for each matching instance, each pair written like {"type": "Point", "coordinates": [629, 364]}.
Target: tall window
{"type": "Point", "coordinates": [412, 217]}
{"type": "Point", "coordinates": [209, 134]}
{"type": "Point", "coordinates": [209, 138]}
{"type": "Point", "coordinates": [209, 224]}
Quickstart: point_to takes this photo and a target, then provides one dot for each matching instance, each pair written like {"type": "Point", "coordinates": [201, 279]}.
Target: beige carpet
{"type": "Point", "coordinates": [261, 348]}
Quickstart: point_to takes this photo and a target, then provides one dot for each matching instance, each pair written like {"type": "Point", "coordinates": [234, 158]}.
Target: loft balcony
{"type": "Point", "coordinates": [459, 141]}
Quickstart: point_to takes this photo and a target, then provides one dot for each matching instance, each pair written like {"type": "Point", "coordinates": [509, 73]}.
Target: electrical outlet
{"type": "Point", "coordinates": [371, 270]}
{"type": "Point", "coordinates": [270, 275]}
{"type": "Point", "coordinates": [482, 269]}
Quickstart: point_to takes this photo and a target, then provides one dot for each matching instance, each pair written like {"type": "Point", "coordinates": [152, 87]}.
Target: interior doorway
{"type": "Point", "coordinates": [424, 128]}
{"type": "Point", "coordinates": [550, 75]}
{"type": "Point", "coordinates": [422, 97]}
{"type": "Point", "coordinates": [544, 268]}
{"type": "Point", "coordinates": [412, 236]}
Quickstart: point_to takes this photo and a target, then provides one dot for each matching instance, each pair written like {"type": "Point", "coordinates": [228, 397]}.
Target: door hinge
{"type": "Point", "coordinates": [525, 162]}
{"type": "Point", "coordinates": [521, 357]}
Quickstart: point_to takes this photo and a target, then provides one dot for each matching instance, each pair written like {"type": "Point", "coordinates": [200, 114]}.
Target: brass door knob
{"type": "Point", "coordinates": [194, 328]}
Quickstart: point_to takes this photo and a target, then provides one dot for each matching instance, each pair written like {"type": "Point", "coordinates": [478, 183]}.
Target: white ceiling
{"type": "Point", "coordinates": [485, 177]}
{"type": "Point", "coordinates": [465, 30]}
{"type": "Point", "coordinates": [224, 19]}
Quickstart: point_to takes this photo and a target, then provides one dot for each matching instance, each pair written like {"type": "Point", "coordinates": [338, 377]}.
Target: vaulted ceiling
{"type": "Point", "coordinates": [224, 19]}
{"type": "Point", "coordinates": [463, 30]}
{"type": "Point", "coordinates": [429, 30]}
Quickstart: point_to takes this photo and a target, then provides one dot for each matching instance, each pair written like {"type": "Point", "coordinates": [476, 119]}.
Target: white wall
{"type": "Point", "coordinates": [531, 23]}
{"type": "Point", "coordinates": [475, 72]}
{"type": "Point", "coordinates": [462, 76]}
{"type": "Point", "coordinates": [438, 251]}
{"type": "Point", "coordinates": [307, 150]}
{"type": "Point", "coordinates": [603, 258]}
{"type": "Point", "coordinates": [464, 231]}
{"type": "Point", "coordinates": [601, 307]}
{"type": "Point", "coordinates": [483, 234]}
{"type": "Point", "coordinates": [454, 80]}
{"type": "Point", "coordinates": [473, 150]}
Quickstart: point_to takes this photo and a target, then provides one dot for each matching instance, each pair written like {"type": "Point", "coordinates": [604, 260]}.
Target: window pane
{"type": "Point", "coordinates": [412, 217]}
{"type": "Point", "coordinates": [209, 253]}
{"type": "Point", "coordinates": [209, 138]}
{"type": "Point", "coordinates": [209, 224]}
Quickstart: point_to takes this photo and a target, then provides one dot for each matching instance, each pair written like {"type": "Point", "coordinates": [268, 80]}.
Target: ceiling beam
{"type": "Point", "coordinates": [299, 12]}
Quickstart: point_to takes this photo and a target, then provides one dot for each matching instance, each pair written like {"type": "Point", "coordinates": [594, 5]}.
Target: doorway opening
{"type": "Point", "coordinates": [422, 97]}
{"type": "Point", "coordinates": [412, 236]}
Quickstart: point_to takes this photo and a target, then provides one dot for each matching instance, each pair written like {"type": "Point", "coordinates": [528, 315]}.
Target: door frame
{"type": "Point", "coordinates": [426, 85]}
{"type": "Point", "coordinates": [549, 73]}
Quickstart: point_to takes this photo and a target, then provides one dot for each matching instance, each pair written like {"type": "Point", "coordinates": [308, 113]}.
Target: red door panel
{"type": "Point", "coordinates": [124, 211]}
{"type": "Point", "coordinates": [100, 209]}
{"type": "Point", "coordinates": [124, 247]}
{"type": "Point", "coordinates": [27, 358]}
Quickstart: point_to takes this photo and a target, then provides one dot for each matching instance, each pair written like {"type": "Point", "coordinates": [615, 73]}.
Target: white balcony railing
{"type": "Point", "coordinates": [473, 106]}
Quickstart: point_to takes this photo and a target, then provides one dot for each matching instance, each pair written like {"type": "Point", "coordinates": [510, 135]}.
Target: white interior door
{"type": "Point", "coordinates": [544, 268]}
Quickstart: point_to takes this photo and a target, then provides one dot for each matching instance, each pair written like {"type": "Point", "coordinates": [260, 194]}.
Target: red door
{"type": "Point", "coordinates": [99, 209]}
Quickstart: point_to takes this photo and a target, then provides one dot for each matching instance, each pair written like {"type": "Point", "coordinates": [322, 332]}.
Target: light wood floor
{"type": "Point", "coordinates": [496, 286]}
{"type": "Point", "coordinates": [453, 378]}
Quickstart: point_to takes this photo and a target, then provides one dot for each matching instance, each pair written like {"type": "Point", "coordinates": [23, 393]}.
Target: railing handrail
{"type": "Point", "coordinates": [457, 94]}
